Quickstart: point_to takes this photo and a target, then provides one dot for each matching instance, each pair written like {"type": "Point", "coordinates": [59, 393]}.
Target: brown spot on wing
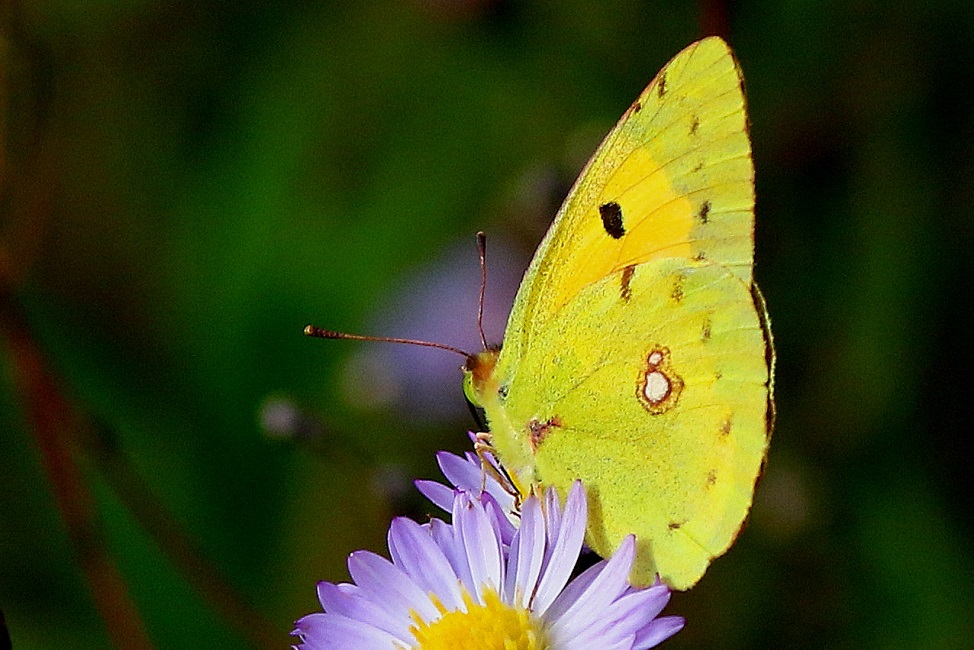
{"type": "Point", "coordinates": [705, 329]}
{"type": "Point", "coordinates": [677, 293]}
{"type": "Point", "coordinates": [704, 213]}
{"type": "Point", "coordinates": [625, 290]}
{"type": "Point", "coordinates": [661, 86]}
{"type": "Point", "coordinates": [725, 427]}
{"type": "Point", "coordinates": [711, 478]}
{"type": "Point", "coordinates": [694, 125]}
{"type": "Point", "coordinates": [540, 430]}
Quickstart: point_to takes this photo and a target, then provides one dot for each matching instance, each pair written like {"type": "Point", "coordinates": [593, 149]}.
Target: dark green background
{"type": "Point", "coordinates": [185, 186]}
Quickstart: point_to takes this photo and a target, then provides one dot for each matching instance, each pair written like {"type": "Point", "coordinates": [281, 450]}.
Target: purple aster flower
{"type": "Point", "coordinates": [460, 585]}
{"type": "Point", "coordinates": [470, 473]}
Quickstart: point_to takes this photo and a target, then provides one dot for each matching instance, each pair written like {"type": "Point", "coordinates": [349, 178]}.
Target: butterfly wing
{"type": "Point", "coordinates": [636, 357]}
{"type": "Point", "coordinates": [660, 409]}
{"type": "Point", "coordinates": [673, 178]}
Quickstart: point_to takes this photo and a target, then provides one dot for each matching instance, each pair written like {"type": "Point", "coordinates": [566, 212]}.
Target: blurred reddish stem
{"type": "Point", "coordinates": [49, 415]}
{"type": "Point", "coordinates": [51, 423]}
{"type": "Point", "coordinates": [65, 436]}
{"type": "Point", "coordinates": [58, 431]}
{"type": "Point", "coordinates": [715, 18]}
{"type": "Point", "coordinates": [178, 546]}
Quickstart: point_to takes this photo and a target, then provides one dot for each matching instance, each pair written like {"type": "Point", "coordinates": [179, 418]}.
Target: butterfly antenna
{"type": "Point", "coordinates": [482, 253]}
{"type": "Point", "coordinates": [318, 333]}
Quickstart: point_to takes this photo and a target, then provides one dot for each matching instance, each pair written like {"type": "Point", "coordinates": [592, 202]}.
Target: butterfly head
{"type": "Point", "coordinates": [479, 381]}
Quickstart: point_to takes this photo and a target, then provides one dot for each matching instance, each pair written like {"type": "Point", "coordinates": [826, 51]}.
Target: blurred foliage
{"type": "Point", "coordinates": [183, 186]}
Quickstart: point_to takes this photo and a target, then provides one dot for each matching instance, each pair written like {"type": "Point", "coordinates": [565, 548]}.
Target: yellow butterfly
{"type": "Point", "coordinates": [637, 356]}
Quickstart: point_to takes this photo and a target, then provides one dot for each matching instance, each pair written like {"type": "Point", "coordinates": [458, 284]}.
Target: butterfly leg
{"type": "Point", "coordinates": [484, 448]}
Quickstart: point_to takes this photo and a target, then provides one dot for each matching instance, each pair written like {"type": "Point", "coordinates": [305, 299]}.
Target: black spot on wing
{"type": "Point", "coordinates": [611, 214]}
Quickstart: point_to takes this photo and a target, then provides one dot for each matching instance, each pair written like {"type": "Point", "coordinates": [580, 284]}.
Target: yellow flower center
{"type": "Point", "coordinates": [491, 626]}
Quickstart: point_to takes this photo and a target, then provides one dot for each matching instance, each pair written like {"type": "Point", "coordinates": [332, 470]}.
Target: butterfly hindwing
{"type": "Point", "coordinates": [676, 469]}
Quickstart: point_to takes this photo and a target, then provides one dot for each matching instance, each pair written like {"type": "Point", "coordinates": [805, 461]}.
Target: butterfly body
{"type": "Point", "coordinates": [637, 356]}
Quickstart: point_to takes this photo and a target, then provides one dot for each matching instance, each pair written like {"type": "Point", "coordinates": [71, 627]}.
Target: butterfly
{"type": "Point", "coordinates": [638, 355]}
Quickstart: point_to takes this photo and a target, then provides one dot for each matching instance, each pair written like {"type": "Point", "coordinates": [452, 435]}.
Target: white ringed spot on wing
{"type": "Point", "coordinates": [658, 387]}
